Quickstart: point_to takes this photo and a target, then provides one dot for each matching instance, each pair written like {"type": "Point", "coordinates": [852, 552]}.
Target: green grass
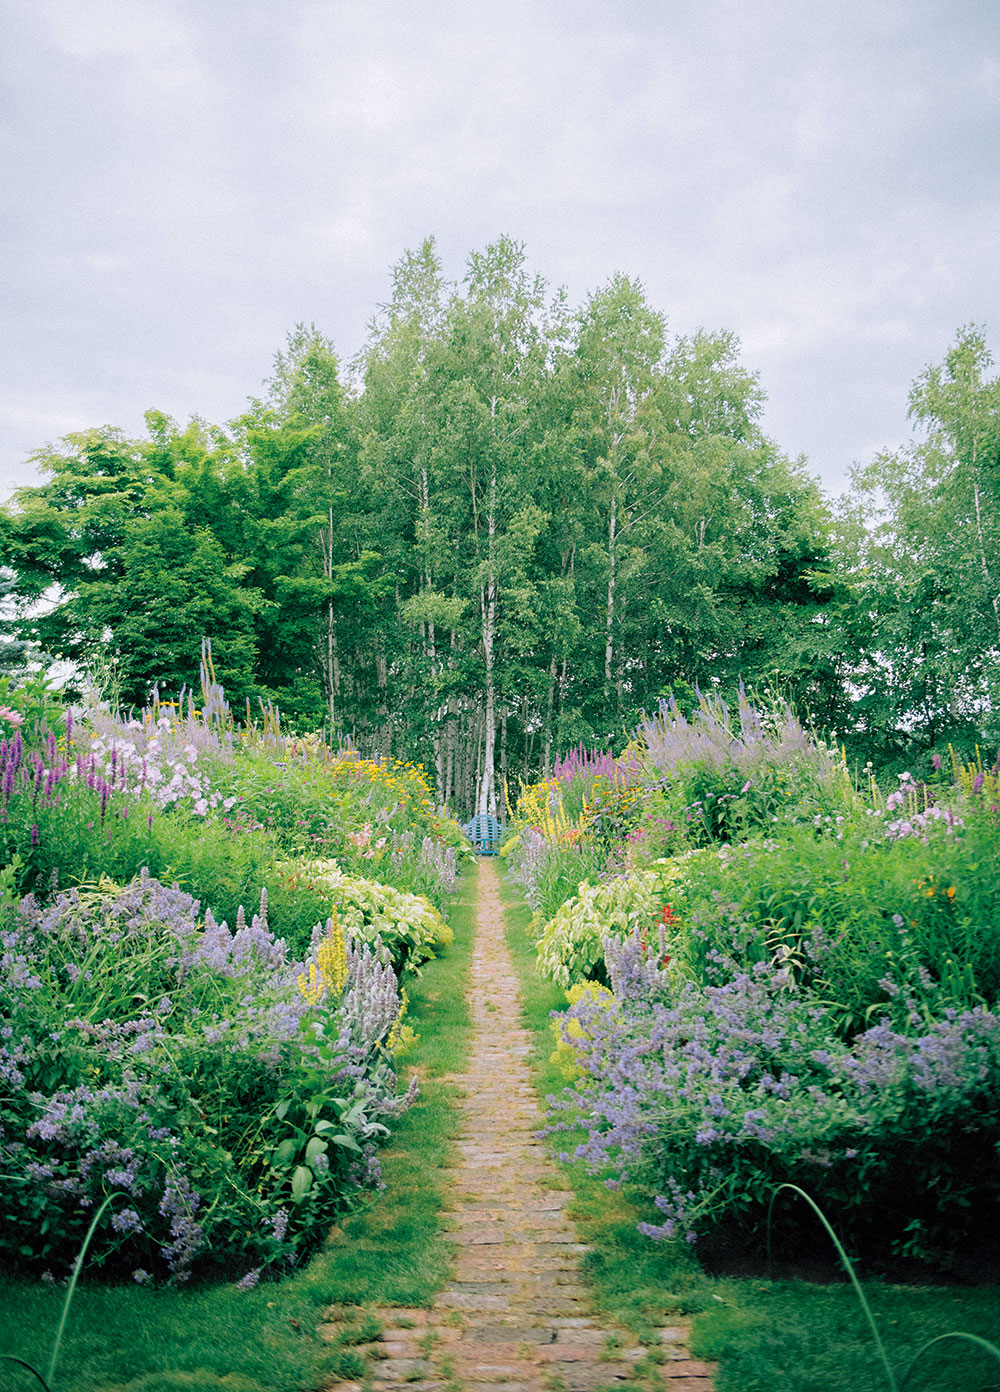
{"type": "Point", "coordinates": [392, 1251]}
{"type": "Point", "coordinates": [769, 1336]}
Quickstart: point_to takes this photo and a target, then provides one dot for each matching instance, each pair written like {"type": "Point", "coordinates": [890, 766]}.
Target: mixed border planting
{"type": "Point", "coordinates": [227, 1086]}
{"type": "Point", "coordinates": [775, 976]}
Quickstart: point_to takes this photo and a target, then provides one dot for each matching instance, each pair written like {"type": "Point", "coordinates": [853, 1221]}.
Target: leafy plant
{"type": "Point", "coordinates": [712, 1094]}
{"type": "Point", "coordinates": [408, 925]}
{"type": "Point", "coordinates": [571, 945]}
{"type": "Point", "coordinates": [154, 1054]}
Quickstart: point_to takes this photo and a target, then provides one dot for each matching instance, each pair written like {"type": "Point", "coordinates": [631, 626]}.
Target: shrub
{"type": "Point", "coordinates": [409, 926]}
{"type": "Point", "coordinates": [232, 1099]}
{"type": "Point", "coordinates": [548, 872]}
{"type": "Point", "coordinates": [723, 778]}
{"type": "Point", "coordinates": [849, 915]}
{"type": "Point", "coordinates": [571, 945]}
{"type": "Point", "coordinates": [711, 1095]}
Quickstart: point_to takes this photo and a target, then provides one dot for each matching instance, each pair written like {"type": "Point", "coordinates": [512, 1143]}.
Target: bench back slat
{"type": "Point", "coordinates": [485, 833]}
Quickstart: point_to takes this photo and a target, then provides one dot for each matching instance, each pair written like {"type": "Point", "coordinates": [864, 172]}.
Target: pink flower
{"type": "Point", "coordinates": [12, 717]}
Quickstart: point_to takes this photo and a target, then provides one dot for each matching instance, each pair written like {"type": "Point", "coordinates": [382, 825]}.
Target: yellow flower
{"type": "Point", "coordinates": [311, 987]}
{"type": "Point", "coordinates": [329, 971]}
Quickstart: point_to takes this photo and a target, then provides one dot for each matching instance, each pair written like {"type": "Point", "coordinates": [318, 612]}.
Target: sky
{"type": "Point", "coordinates": [186, 180]}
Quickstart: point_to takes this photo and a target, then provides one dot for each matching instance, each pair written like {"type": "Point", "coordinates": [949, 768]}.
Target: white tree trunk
{"type": "Point", "coordinates": [609, 638]}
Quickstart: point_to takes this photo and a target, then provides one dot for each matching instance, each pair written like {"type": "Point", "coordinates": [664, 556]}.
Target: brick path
{"type": "Point", "coordinates": [518, 1315]}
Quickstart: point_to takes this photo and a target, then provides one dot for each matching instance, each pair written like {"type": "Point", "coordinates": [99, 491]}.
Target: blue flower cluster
{"type": "Point", "coordinates": [709, 1096]}
{"type": "Point", "coordinates": [149, 1052]}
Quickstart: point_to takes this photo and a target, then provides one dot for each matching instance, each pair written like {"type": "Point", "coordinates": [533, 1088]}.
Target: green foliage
{"type": "Point", "coordinates": [525, 521]}
{"type": "Point", "coordinates": [268, 1337]}
{"type": "Point", "coordinates": [34, 699]}
{"type": "Point", "coordinates": [409, 926]}
{"type": "Point", "coordinates": [153, 1055]}
{"type": "Point", "coordinates": [851, 912]}
{"type": "Point", "coordinates": [799, 1336]}
{"type": "Point", "coordinates": [571, 945]}
{"type": "Point", "coordinates": [922, 569]}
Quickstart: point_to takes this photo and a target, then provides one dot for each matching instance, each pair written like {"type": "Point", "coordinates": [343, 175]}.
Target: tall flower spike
{"type": "Point", "coordinates": [331, 954]}
{"type": "Point", "coordinates": [311, 987]}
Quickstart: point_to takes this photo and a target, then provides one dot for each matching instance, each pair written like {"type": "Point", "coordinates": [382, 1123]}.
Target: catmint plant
{"type": "Point", "coordinates": [146, 1049]}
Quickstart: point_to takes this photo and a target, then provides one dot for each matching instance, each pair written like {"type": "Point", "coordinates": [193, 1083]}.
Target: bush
{"type": "Point", "coordinates": [376, 818]}
{"type": "Point", "coordinates": [547, 872]}
{"type": "Point", "coordinates": [571, 945]}
{"type": "Point", "coordinates": [711, 1095]}
{"type": "Point", "coordinates": [231, 1098]}
{"type": "Point", "coordinates": [724, 779]}
{"type": "Point", "coordinates": [407, 925]}
{"type": "Point", "coordinates": [855, 918]}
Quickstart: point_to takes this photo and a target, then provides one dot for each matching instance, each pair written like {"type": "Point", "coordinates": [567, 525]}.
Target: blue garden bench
{"type": "Point", "coordinates": [485, 833]}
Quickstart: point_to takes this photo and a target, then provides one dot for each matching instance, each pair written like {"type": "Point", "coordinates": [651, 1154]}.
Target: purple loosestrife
{"type": "Point", "coordinates": [593, 763]}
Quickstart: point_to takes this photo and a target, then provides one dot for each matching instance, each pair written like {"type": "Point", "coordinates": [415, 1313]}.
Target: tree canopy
{"type": "Point", "coordinates": [514, 525]}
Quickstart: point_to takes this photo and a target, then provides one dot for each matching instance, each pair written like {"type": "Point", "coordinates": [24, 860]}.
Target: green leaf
{"type": "Point", "coordinates": [284, 1153]}
{"type": "Point", "coordinates": [315, 1148]}
{"type": "Point", "coordinates": [302, 1179]}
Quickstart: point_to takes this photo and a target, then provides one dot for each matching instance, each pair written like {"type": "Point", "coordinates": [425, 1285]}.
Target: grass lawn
{"type": "Point", "coordinates": [769, 1336]}
{"type": "Point", "coordinates": [392, 1251]}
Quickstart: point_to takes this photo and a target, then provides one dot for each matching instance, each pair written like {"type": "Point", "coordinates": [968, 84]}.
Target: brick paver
{"type": "Point", "coordinates": [517, 1315]}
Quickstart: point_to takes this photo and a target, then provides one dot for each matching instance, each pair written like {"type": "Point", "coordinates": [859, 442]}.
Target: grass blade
{"type": "Point", "coordinates": [954, 1334]}
{"type": "Point", "coordinates": [77, 1266]}
{"type": "Point", "coordinates": [848, 1268]}
{"type": "Point", "coordinates": [9, 1358]}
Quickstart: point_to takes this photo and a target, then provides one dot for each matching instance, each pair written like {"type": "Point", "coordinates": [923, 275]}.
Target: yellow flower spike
{"type": "Point", "coordinates": [332, 958]}
{"type": "Point", "coordinates": [312, 988]}
{"type": "Point", "coordinates": [394, 1039]}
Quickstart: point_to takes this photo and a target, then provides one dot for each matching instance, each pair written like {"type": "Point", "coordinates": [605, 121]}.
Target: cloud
{"type": "Point", "coordinates": [186, 180]}
{"type": "Point", "coordinates": [138, 29]}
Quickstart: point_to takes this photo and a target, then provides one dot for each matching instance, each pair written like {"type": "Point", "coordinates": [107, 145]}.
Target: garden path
{"type": "Point", "coordinates": [518, 1314]}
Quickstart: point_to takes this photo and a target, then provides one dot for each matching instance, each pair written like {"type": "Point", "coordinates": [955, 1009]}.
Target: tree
{"type": "Point", "coordinates": [518, 528]}
{"type": "Point", "coordinates": [13, 649]}
{"type": "Point", "coordinates": [926, 566]}
{"type": "Point", "coordinates": [616, 361]}
{"type": "Point", "coordinates": [497, 350]}
{"type": "Point", "coordinates": [306, 393]}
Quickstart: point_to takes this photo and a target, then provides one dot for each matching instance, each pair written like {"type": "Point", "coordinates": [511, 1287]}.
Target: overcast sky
{"type": "Point", "coordinates": [184, 180]}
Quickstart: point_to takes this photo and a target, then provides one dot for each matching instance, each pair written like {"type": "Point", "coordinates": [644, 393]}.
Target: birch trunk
{"type": "Point", "coordinates": [486, 801]}
{"type": "Point", "coordinates": [995, 599]}
{"type": "Point", "coordinates": [609, 639]}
